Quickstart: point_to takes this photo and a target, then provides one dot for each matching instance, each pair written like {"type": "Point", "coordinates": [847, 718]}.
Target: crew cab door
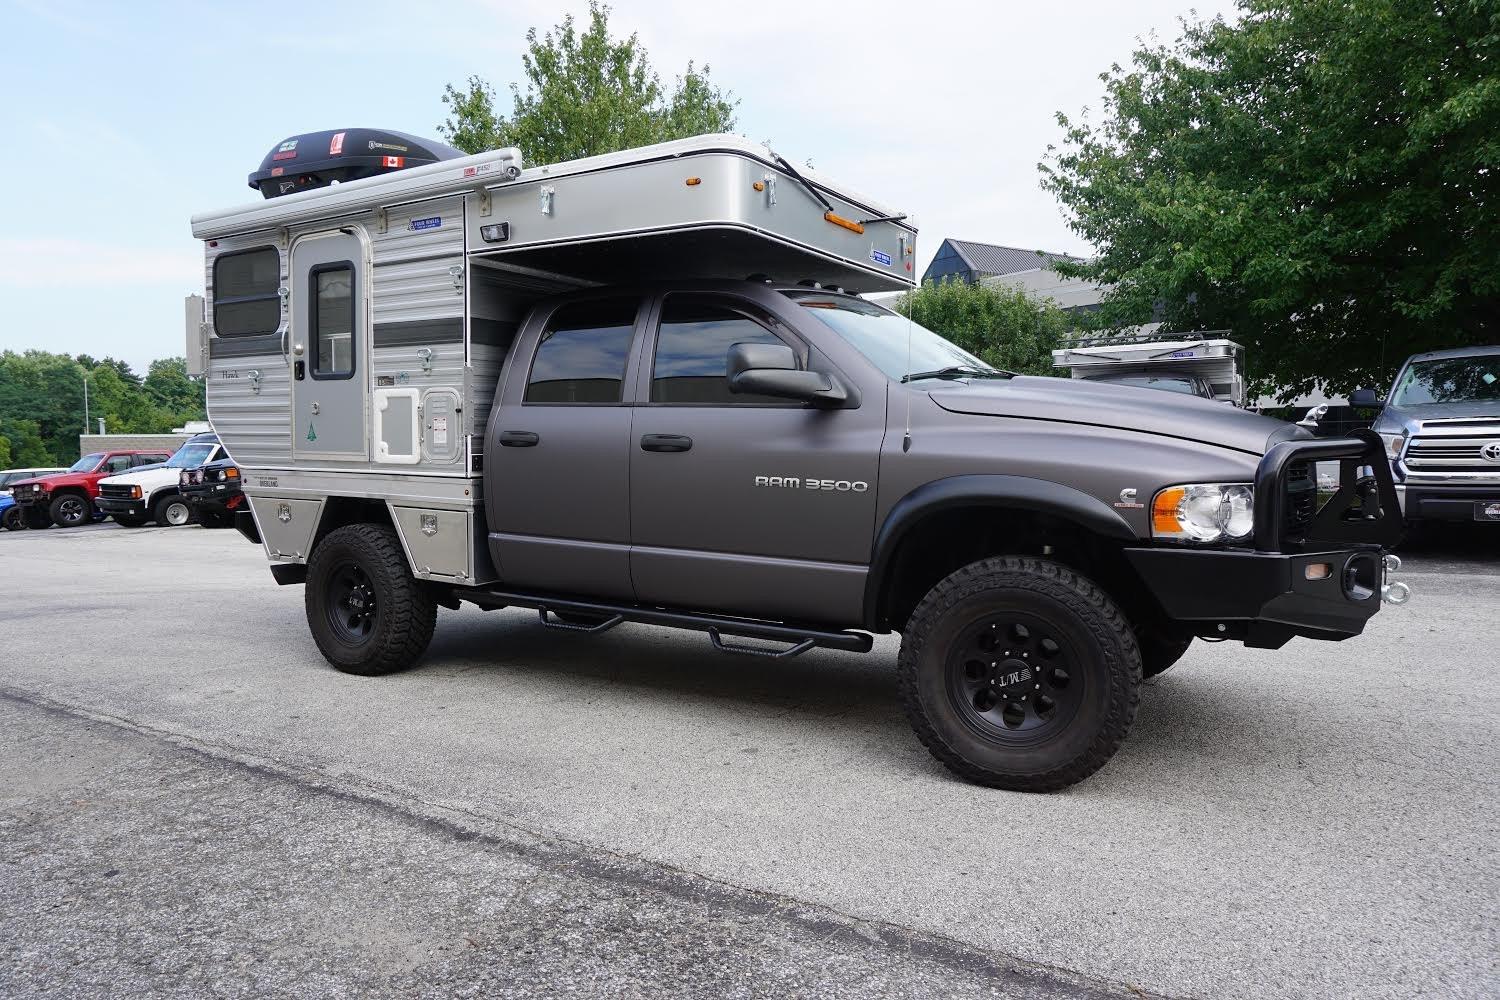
{"type": "Point", "coordinates": [329, 331]}
{"type": "Point", "coordinates": [558, 451]}
{"type": "Point", "coordinates": [744, 504]}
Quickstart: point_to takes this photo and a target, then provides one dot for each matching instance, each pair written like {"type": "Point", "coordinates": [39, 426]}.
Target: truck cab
{"type": "Point", "coordinates": [153, 494]}
{"type": "Point", "coordinates": [1440, 425]}
{"type": "Point", "coordinates": [67, 499]}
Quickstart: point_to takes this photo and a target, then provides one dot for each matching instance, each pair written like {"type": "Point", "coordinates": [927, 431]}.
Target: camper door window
{"type": "Point", "coordinates": [246, 298]}
{"type": "Point", "coordinates": [333, 321]}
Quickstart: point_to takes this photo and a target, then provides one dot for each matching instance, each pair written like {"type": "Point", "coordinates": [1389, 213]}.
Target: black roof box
{"type": "Point", "coordinates": [317, 159]}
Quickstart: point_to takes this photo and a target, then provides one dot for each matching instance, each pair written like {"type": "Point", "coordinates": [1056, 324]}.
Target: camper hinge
{"type": "Point", "coordinates": [485, 205]}
{"type": "Point", "coordinates": [547, 191]}
{"type": "Point", "coordinates": [770, 180]}
{"type": "Point", "coordinates": [382, 221]}
{"type": "Point", "coordinates": [283, 237]}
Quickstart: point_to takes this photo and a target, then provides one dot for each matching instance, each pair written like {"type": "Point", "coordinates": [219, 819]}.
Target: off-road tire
{"type": "Point", "coordinates": [172, 511]}
{"type": "Point", "coordinates": [1101, 649]}
{"type": "Point", "coordinates": [1158, 652]}
{"type": "Point", "coordinates": [14, 518]}
{"type": "Point", "coordinates": [404, 615]}
{"type": "Point", "coordinates": [64, 507]}
{"type": "Point", "coordinates": [131, 520]}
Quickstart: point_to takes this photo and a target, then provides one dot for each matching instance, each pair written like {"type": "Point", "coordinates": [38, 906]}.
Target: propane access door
{"type": "Point", "coordinates": [330, 347]}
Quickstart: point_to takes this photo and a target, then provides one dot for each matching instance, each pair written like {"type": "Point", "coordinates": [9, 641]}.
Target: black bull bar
{"type": "Point", "coordinates": [1363, 511]}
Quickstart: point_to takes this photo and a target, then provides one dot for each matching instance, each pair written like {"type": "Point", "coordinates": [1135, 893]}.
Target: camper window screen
{"type": "Point", "coordinates": [581, 357]}
{"type": "Point", "coordinates": [246, 298]}
{"type": "Point", "coordinates": [333, 321]}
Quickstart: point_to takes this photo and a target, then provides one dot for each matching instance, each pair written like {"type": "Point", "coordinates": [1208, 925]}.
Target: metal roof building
{"type": "Point", "coordinates": [969, 262]}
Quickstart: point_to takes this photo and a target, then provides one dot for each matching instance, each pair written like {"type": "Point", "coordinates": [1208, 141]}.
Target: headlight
{"type": "Point", "coordinates": [1208, 512]}
{"type": "Point", "coordinates": [1394, 443]}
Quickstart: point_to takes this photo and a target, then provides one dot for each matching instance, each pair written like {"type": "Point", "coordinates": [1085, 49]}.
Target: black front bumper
{"type": "Point", "coordinates": [1264, 598]}
{"type": "Point", "coordinates": [214, 497]}
{"type": "Point", "coordinates": [120, 505]}
{"type": "Point", "coordinates": [1451, 503]}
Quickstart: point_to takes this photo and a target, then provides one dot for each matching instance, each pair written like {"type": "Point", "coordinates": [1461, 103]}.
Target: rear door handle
{"type": "Point", "coordinates": [519, 439]}
{"type": "Point", "coordinates": [665, 442]}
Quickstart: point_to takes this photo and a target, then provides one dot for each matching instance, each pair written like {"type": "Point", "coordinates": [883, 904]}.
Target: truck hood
{"type": "Point", "coordinates": [1394, 418]}
{"type": "Point", "coordinates": [1095, 404]}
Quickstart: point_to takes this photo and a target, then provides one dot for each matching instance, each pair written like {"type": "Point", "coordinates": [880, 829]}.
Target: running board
{"type": "Point", "coordinates": [800, 638]}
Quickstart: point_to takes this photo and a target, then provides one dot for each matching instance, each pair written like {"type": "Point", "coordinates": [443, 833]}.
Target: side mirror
{"type": "Point", "coordinates": [771, 370]}
{"type": "Point", "coordinates": [1365, 399]}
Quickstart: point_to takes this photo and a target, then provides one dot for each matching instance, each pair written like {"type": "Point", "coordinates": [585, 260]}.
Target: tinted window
{"type": "Point", "coordinates": [692, 347]}
{"type": "Point", "coordinates": [332, 321]}
{"type": "Point", "coordinates": [246, 301]}
{"type": "Point", "coordinates": [1450, 380]}
{"type": "Point", "coordinates": [119, 463]}
{"type": "Point", "coordinates": [582, 354]}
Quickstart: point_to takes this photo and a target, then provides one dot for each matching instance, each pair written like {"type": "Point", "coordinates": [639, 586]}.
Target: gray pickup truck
{"type": "Point", "coordinates": [1441, 429]}
{"type": "Point", "coordinates": [572, 388]}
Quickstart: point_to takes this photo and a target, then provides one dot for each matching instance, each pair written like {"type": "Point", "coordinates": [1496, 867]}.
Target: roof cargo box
{"type": "Point", "coordinates": [318, 159]}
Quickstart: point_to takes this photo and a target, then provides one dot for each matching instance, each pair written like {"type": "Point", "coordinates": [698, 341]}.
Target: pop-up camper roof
{"type": "Point", "coordinates": [713, 206]}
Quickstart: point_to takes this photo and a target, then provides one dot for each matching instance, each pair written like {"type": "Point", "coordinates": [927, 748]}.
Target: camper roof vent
{"type": "Point", "coordinates": [317, 159]}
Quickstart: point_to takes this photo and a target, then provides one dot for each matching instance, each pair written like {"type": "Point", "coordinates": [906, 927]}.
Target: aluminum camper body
{"type": "Point", "coordinates": [1216, 363]}
{"type": "Point", "coordinates": [364, 368]}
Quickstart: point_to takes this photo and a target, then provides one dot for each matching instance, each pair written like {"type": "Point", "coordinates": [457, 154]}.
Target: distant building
{"type": "Point", "coordinates": [970, 262]}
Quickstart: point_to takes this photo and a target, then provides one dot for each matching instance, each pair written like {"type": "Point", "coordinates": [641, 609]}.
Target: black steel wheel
{"type": "Point", "coordinates": [1019, 673]}
{"type": "Point", "coordinates": [14, 518]}
{"type": "Point", "coordinates": [366, 612]}
{"type": "Point", "coordinates": [69, 510]}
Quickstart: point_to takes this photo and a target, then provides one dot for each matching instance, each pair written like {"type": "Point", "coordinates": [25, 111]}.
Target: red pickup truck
{"type": "Point", "coordinates": [66, 499]}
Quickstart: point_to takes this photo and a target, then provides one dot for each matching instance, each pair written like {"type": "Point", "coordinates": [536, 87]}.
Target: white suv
{"type": "Point", "coordinates": [150, 493]}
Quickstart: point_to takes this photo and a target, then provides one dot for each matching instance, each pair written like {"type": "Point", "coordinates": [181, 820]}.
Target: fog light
{"type": "Point", "coordinates": [1318, 571]}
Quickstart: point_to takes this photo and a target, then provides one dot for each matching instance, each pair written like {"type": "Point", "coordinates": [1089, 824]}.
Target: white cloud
{"type": "Point", "coordinates": [85, 265]}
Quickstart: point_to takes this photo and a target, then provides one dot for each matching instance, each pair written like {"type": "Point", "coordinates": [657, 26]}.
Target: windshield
{"type": "Point", "coordinates": [1450, 380]}
{"type": "Point", "coordinates": [881, 336]}
{"type": "Point", "coordinates": [86, 463]}
{"type": "Point", "coordinates": [1170, 383]}
{"type": "Point", "coordinates": [190, 456]}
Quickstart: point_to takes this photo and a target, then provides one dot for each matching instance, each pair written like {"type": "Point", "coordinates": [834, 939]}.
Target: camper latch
{"type": "Point", "coordinates": [424, 354]}
{"type": "Point", "coordinates": [547, 191]}
{"type": "Point", "coordinates": [254, 376]}
{"type": "Point", "coordinates": [770, 180]}
{"type": "Point", "coordinates": [456, 272]}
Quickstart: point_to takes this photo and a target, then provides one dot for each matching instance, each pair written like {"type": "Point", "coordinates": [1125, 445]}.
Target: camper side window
{"type": "Point", "coordinates": [247, 301]}
{"type": "Point", "coordinates": [582, 354]}
{"type": "Point", "coordinates": [332, 321]}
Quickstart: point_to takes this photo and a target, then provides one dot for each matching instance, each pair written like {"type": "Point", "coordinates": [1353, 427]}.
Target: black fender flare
{"type": "Point", "coordinates": [1017, 492]}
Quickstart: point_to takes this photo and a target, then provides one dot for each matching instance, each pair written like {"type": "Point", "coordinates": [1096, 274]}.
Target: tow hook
{"type": "Point", "coordinates": [1393, 591]}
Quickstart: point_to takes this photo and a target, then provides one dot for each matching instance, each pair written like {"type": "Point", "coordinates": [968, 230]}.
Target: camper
{"type": "Point", "coordinates": [642, 387]}
{"type": "Point", "coordinates": [1208, 366]}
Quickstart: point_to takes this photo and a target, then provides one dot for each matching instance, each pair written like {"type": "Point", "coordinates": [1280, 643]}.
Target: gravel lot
{"type": "Point", "coordinates": [192, 803]}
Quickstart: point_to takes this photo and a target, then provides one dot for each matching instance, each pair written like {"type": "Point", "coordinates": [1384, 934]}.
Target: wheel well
{"type": "Point", "coordinates": [341, 511]}
{"type": "Point", "coordinates": [950, 539]}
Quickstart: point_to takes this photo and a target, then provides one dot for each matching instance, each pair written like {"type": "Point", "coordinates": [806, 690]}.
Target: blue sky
{"type": "Point", "coordinates": [123, 119]}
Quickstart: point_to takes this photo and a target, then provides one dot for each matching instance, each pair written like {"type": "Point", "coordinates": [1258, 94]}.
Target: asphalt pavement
{"type": "Point", "coordinates": [192, 803]}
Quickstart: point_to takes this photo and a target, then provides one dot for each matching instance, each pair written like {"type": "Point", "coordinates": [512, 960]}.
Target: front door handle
{"type": "Point", "coordinates": [665, 442]}
{"type": "Point", "coordinates": [519, 439]}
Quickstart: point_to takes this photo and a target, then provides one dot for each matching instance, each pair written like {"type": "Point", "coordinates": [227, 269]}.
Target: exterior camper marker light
{"type": "Point", "coordinates": [849, 224]}
{"type": "Point", "coordinates": [694, 181]}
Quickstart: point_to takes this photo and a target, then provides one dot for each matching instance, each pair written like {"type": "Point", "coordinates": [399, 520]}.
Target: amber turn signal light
{"type": "Point", "coordinates": [1164, 510]}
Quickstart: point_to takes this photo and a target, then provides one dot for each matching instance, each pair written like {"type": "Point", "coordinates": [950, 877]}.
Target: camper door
{"type": "Point", "coordinates": [330, 355]}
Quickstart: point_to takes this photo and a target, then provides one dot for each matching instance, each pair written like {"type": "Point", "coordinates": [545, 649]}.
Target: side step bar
{"type": "Point", "coordinates": [801, 638]}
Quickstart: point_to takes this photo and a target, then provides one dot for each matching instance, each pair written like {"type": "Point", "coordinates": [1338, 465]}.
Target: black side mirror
{"type": "Point", "coordinates": [771, 370]}
{"type": "Point", "coordinates": [1365, 399]}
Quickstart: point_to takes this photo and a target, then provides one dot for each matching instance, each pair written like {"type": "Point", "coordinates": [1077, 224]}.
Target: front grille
{"type": "Point", "coordinates": [1455, 446]}
{"type": "Point", "coordinates": [1301, 499]}
{"type": "Point", "coordinates": [115, 491]}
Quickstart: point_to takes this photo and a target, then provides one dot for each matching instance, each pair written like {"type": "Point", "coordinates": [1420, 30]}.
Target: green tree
{"type": "Point", "coordinates": [1320, 177]}
{"type": "Point", "coordinates": [27, 449]}
{"type": "Point", "coordinates": [1006, 327]}
{"type": "Point", "coordinates": [586, 93]}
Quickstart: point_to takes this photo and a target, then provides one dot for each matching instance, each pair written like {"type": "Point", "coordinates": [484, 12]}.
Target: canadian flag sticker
{"type": "Point", "coordinates": [393, 161]}
{"type": "Point", "coordinates": [336, 144]}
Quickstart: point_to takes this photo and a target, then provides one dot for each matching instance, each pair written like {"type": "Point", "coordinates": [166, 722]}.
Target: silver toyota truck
{"type": "Point", "coordinates": [642, 388]}
{"type": "Point", "coordinates": [1441, 429]}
